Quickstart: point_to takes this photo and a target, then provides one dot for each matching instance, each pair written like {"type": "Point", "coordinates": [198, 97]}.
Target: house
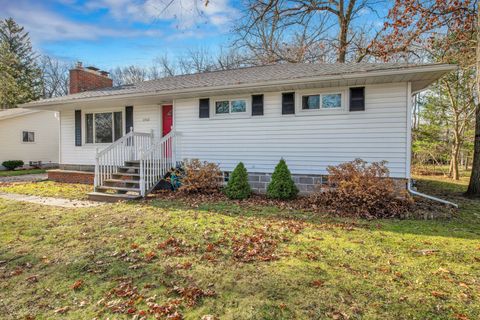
{"type": "Point", "coordinates": [29, 135]}
{"type": "Point", "coordinates": [312, 115]}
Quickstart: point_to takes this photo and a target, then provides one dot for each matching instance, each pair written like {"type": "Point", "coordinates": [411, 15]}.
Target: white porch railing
{"type": "Point", "coordinates": [124, 149]}
{"type": "Point", "coordinates": [156, 161]}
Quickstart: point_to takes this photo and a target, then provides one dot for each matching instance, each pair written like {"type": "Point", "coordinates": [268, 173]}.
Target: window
{"type": "Point", "coordinates": [103, 127]}
{"type": "Point", "coordinates": [28, 136]}
{"type": "Point", "coordinates": [331, 101]}
{"type": "Point", "coordinates": [322, 101]}
{"type": "Point", "coordinates": [230, 106]}
{"type": "Point", "coordinates": [311, 102]}
{"type": "Point", "coordinates": [221, 107]}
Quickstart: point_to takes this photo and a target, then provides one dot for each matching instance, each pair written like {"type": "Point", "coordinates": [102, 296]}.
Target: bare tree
{"type": "Point", "coordinates": [165, 66]}
{"type": "Point", "coordinates": [196, 61]}
{"type": "Point", "coordinates": [128, 75]}
{"type": "Point", "coordinates": [55, 77]}
{"type": "Point", "coordinates": [303, 30]}
{"type": "Point", "coordinates": [230, 59]}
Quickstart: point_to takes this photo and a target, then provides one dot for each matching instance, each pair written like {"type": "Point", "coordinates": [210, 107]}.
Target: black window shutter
{"type": "Point", "coordinates": [257, 105]}
{"type": "Point", "coordinates": [78, 128]}
{"type": "Point", "coordinates": [288, 103]}
{"type": "Point", "coordinates": [357, 99]}
{"type": "Point", "coordinates": [204, 108]}
{"type": "Point", "coordinates": [128, 118]}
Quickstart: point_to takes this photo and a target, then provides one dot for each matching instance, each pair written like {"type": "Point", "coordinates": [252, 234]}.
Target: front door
{"type": "Point", "coordinates": [167, 119]}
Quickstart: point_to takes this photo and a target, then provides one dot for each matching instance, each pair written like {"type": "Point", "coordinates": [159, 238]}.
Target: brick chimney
{"type": "Point", "coordinates": [89, 78]}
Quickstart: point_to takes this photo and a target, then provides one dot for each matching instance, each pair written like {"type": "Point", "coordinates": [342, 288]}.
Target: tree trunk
{"type": "Point", "coordinates": [474, 186]}
{"type": "Point", "coordinates": [454, 171]}
{"type": "Point", "coordinates": [342, 36]}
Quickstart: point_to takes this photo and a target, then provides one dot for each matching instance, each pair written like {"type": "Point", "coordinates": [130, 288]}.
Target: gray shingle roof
{"type": "Point", "coordinates": [249, 75]}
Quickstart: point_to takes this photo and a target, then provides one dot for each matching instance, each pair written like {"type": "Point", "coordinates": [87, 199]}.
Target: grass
{"type": "Point", "coordinates": [107, 262]}
{"type": "Point", "coordinates": [48, 189]}
{"type": "Point", "coordinates": [8, 173]}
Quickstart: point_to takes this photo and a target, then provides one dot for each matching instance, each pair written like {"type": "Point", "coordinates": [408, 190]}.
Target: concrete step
{"type": "Point", "coordinates": [124, 181]}
{"type": "Point", "coordinates": [132, 163]}
{"type": "Point", "coordinates": [118, 189]}
{"type": "Point", "coordinates": [133, 176]}
{"type": "Point", "coordinates": [127, 168]}
{"type": "Point", "coordinates": [111, 197]}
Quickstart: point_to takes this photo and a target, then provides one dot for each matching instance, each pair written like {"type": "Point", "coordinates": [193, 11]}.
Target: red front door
{"type": "Point", "coordinates": [167, 119]}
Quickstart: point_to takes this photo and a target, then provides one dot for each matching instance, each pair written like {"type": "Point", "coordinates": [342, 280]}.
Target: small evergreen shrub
{"type": "Point", "coordinates": [238, 187]}
{"type": "Point", "coordinates": [282, 186]}
{"type": "Point", "coordinates": [12, 164]}
{"type": "Point", "coordinates": [201, 177]}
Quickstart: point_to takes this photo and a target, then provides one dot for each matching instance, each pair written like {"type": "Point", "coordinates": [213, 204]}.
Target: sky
{"type": "Point", "coordinates": [110, 33]}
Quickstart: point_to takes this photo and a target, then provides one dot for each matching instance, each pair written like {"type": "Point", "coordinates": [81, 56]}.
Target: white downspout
{"type": "Point", "coordinates": [423, 195]}
{"type": "Point", "coordinates": [409, 152]}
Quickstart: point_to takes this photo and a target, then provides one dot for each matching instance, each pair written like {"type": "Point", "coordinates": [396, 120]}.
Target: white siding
{"type": "Point", "coordinates": [145, 119]}
{"type": "Point", "coordinates": [45, 148]}
{"type": "Point", "coordinates": [309, 143]}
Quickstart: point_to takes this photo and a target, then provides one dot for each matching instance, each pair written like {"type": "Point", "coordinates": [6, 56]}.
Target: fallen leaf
{"type": "Point", "coordinates": [439, 294]}
{"type": "Point", "coordinates": [62, 310]}
{"type": "Point", "coordinates": [77, 284]}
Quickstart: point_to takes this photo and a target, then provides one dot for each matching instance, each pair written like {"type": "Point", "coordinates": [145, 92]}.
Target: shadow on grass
{"type": "Point", "coordinates": [465, 222]}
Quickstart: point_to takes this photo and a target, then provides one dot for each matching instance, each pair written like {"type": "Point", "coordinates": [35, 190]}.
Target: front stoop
{"type": "Point", "coordinates": [124, 185]}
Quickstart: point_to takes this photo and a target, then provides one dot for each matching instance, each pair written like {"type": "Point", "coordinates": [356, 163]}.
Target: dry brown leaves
{"type": "Point", "coordinates": [77, 284]}
{"type": "Point", "coordinates": [122, 298]}
{"type": "Point", "coordinates": [125, 298]}
{"type": "Point", "coordinates": [175, 247]}
{"type": "Point", "coordinates": [191, 294]}
{"type": "Point", "coordinates": [257, 247]}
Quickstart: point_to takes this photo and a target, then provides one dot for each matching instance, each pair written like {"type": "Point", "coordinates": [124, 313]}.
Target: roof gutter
{"type": "Point", "coordinates": [256, 86]}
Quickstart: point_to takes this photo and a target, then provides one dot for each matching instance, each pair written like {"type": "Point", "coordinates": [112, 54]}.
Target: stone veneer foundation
{"type": "Point", "coordinates": [306, 183]}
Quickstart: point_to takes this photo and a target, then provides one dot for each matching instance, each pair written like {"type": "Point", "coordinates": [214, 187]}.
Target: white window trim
{"type": "Point", "coordinates": [230, 115]}
{"type": "Point", "coordinates": [299, 111]}
{"type": "Point", "coordinates": [84, 126]}
{"type": "Point", "coordinates": [34, 136]}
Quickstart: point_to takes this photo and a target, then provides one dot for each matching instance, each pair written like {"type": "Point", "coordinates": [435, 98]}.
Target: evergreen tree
{"type": "Point", "coordinates": [20, 76]}
{"type": "Point", "coordinates": [238, 187]}
{"type": "Point", "coordinates": [282, 185]}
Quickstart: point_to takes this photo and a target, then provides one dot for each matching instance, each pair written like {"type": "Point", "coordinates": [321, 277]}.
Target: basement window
{"type": "Point", "coordinates": [103, 127]}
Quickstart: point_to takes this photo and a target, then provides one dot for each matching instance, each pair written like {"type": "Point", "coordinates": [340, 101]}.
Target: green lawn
{"type": "Point", "coordinates": [236, 262]}
{"type": "Point", "coordinates": [49, 189]}
{"type": "Point", "coordinates": [8, 173]}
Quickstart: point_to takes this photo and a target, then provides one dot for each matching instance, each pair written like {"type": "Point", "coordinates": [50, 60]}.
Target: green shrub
{"type": "Point", "coordinates": [238, 187]}
{"type": "Point", "coordinates": [12, 164]}
{"type": "Point", "coordinates": [282, 185]}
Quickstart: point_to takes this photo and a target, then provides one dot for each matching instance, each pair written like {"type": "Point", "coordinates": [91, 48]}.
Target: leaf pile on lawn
{"type": "Point", "coordinates": [127, 299]}
{"type": "Point", "coordinates": [256, 247]}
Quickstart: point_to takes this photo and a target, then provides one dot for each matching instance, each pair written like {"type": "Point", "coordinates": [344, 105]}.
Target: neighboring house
{"type": "Point", "coordinates": [30, 136]}
{"type": "Point", "coordinates": [312, 115]}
